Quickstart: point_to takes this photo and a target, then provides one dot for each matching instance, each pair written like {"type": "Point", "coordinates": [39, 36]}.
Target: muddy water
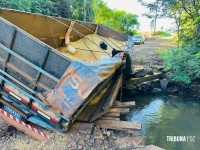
{"type": "Point", "coordinates": [164, 115]}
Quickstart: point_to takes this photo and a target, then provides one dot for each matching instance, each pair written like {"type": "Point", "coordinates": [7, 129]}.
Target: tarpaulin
{"type": "Point", "coordinates": [77, 83]}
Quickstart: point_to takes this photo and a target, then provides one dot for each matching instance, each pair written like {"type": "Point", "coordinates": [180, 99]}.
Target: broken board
{"type": "Point", "coordinates": [112, 114]}
{"type": "Point", "coordinates": [118, 104]}
{"type": "Point", "coordinates": [109, 118]}
{"type": "Point", "coordinates": [118, 125]}
{"type": "Point", "coordinates": [119, 110]}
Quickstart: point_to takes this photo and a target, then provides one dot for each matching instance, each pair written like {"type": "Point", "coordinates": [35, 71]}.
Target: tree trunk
{"type": "Point", "coordinates": [85, 11]}
{"type": "Point", "coordinates": [198, 31]}
{"type": "Point", "coordinates": [156, 17]}
{"type": "Point", "coordinates": [178, 36]}
{"type": "Point", "coordinates": [178, 32]}
{"type": "Point", "coordinates": [155, 23]}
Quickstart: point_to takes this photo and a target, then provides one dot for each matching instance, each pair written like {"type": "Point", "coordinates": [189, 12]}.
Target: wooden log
{"type": "Point", "coordinates": [135, 81]}
{"type": "Point", "coordinates": [109, 118]}
{"type": "Point", "coordinates": [118, 125]}
{"type": "Point", "coordinates": [118, 104]}
{"type": "Point", "coordinates": [112, 115]}
{"type": "Point", "coordinates": [119, 110]}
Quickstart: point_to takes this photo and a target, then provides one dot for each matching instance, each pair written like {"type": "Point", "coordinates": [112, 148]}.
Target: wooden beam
{"type": "Point", "coordinates": [112, 115]}
{"type": "Point", "coordinates": [118, 104]}
{"type": "Point", "coordinates": [67, 37]}
{"type": "Point", "coordinates": [109, 118]}
{"type": "Point", "coordinates": [118, 125]}
{"type": "Point", "coordinates": [119, 110]}
{"type": "Point", "coordinates": [96, 30]}
{"type": "Point", "coordinates": [63, 37]}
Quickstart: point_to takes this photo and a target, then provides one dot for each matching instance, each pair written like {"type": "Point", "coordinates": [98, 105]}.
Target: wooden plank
{"type": "Point", "coordinates": [153, 147]}
{"type": "Point", "coordinates": [109, 118]}
{"type": "Point", "coordinates": [119, 110]}
{"type": "Point", "coordinates": [114, 91]}
{"type": "Point", "coordinates": [118, 125]}
{"type": "Point", "coordinates": [118, 104]}
{"type": "Point", "coordinates": [112, 115]}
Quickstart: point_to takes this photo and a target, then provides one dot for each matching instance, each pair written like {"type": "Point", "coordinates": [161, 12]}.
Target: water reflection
{"type": "Point", "coordinates": [163, 115]}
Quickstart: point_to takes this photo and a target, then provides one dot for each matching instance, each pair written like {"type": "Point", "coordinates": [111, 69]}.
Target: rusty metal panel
{"type": "Point", "coordinates": [21, 71]}
{"type": "Point", "coordinates": [108, 32]}
{"type": "Point", "coordinates": [3, 56]}
{"type": "Point", "coordinates": [56, 65]}
{"type": "Point", "coordinates": [48, 82]}
{"type": "Point", "coordinates": [29, 49]}
{"type": "Point", "coordinates": [31, 61]}
{"type": "Point", "coordinates": [6, 34]}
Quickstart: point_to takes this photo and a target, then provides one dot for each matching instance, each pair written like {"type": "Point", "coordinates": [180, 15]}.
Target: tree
{"type": "Point", "coordinates": [155, 10]}
{"type": "Point", "coordinates": [85, 10]}
{"type": "Point", "coordinates": [182, 64]}
{"type": "Point", "coordinates": [116, 19]}
{"type": "Point", "coordinates": [174, 11]}
{"type": "Point", "coordinates": [185, 13]}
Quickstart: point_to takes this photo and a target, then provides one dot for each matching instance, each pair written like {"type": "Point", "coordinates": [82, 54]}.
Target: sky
{"type": "Point", "coordinates": [135, 7]}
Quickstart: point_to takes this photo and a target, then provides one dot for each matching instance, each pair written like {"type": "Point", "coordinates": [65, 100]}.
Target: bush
{"type": "Point", "coordinates": [131, 32]}
{"type": "Point", "coordinates": [161, 34]}
{"type": "Point", "coordinates": [182, 64]}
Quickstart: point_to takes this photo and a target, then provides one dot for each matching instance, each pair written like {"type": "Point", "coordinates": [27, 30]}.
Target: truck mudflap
{"type": "Point", "coordinates": [20, 125]}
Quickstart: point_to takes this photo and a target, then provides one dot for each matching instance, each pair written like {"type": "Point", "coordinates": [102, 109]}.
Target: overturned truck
{"type": "Point", "coordinates": [42, 85]}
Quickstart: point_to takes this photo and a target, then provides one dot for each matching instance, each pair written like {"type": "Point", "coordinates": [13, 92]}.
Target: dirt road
{"type": "Point", "coordinates": [144, 52]}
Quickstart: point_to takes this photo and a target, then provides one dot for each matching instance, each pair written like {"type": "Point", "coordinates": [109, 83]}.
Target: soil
{"type": "Point", "coordinates": [11, 139]}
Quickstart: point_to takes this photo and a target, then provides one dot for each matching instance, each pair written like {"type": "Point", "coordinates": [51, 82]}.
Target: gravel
{"type": "Point", "coordinates": [11, 139]}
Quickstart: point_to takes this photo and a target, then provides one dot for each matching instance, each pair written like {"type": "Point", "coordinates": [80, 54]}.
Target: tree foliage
{"type": "Point", "coordinates": [116, 19]}
{"type": "Point", "coordinates": [183, 64]}
{"type": "Point", "coordinates": [86, 10]}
